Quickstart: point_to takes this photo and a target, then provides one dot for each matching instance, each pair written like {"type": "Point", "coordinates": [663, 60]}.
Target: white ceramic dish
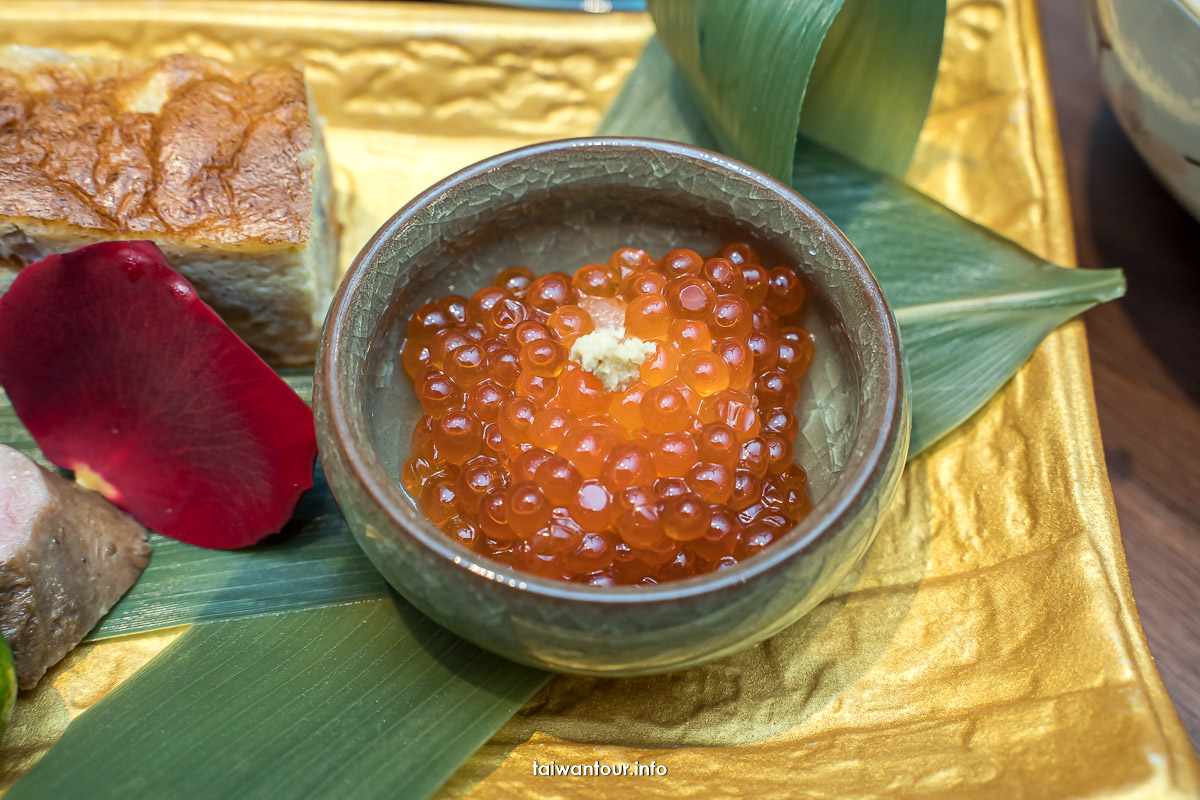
{"type": "Point", "coordinates": [1148, 56]}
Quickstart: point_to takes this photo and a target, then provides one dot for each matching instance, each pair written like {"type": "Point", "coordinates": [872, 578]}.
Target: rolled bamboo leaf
{"type": "Point", "coordinates": [971, 305]}
{"type": "Point", "coordinates": [366, 700]}
{"type": "Point", "coordinates": [856, 75]}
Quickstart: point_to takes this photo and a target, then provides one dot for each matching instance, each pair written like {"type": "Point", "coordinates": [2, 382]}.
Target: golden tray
{"type": "Point", "coordinates": [988, 646]}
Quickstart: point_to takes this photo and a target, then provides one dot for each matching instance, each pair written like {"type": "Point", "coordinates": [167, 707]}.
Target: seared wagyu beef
{"type": "Point", "coordinates": [66, 556]}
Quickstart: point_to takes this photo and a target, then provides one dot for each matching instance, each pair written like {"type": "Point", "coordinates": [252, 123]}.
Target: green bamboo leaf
{"type": "Point", "coordinates": [856, 75]}
{"type": "Point", "coordinates": [369, 695]}
{"type": "Point", "coordinates": [365, 700]}
{"type": "Point", "coordinates": [13, 433]}
{"type": "Point", "coordinates": [313, 562]}
{"type": "Point", "coordinates": [971, 305]}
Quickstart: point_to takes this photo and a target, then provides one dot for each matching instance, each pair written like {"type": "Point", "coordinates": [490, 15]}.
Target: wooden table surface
{"type": "Point", "coordinates": [1145, 353]}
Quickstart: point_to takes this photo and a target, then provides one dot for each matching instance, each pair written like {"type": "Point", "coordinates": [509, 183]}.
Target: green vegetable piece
{"type": "Point", "coordinates": [8, 685]}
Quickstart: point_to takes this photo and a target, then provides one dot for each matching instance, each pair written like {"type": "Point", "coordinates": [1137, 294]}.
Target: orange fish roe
{"type": "Point", "coordinates": [525, 457]}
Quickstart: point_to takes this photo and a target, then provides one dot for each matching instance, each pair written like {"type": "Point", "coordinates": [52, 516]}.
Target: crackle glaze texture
{"type": "Point", "coordinates": [574, 202]}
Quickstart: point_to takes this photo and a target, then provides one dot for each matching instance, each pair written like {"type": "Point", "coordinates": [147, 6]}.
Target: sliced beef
{"type": "Point", "coordinates": [66, 556]}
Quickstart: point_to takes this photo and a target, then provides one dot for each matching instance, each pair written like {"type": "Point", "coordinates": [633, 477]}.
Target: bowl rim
{"type": "Point", "coordinates": [865, 467]}
{"type": "Point", "coordinates": [1191, 7]}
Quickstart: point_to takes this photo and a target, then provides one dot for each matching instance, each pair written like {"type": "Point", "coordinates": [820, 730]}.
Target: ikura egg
{"type": "Point", "coordinates": [676, 461]}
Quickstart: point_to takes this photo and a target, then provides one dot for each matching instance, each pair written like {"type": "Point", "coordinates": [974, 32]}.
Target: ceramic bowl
{"type": "Point", "coordinates": [1148, 56]}
{"type": "Point", "coordinates": [557, 206]}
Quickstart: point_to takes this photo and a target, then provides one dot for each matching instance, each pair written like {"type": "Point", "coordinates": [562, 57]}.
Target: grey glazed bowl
{"type": "Point", "coordinates": [557, 206]}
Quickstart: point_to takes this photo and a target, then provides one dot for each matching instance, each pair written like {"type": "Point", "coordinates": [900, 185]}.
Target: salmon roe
{"type": "Point", "coordinates": [526, 458]}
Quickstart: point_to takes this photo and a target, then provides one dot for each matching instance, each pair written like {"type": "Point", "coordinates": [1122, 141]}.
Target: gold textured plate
{"type": "Point", "coordinates": [988, 646]}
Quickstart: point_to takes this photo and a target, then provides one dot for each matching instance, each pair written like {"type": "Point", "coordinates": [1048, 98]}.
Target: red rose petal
{"type": "Point", "coordinates": [117, 367]}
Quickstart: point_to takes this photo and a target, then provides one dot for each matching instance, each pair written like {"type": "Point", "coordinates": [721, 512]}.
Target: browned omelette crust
{"type": "Point", "coordinates": [221, 161]}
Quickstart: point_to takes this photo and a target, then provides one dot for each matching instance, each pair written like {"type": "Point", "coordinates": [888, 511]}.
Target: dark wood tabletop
{"type": "Point", "coordinates": [1145, 352]}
